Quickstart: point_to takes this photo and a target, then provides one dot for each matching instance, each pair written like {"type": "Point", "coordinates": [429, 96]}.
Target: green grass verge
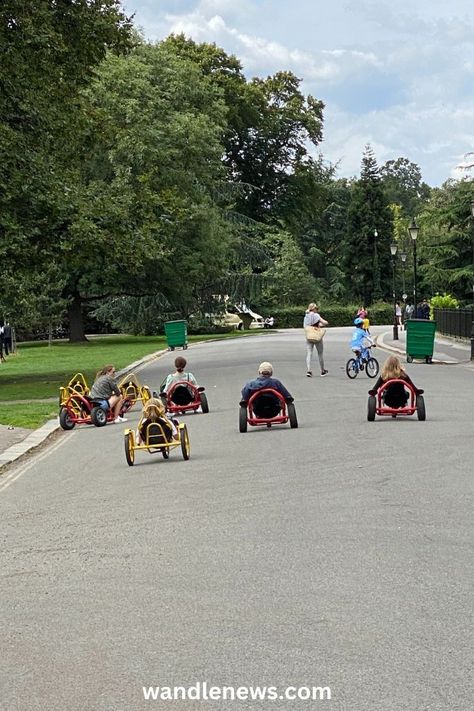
{"type": "Point", "coordinates": [29, 416]}
{"type": "Point", "coordinates": [37, 371]}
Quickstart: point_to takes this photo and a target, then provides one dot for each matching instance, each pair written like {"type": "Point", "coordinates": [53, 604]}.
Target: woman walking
{"type": "Point", "coordinates": [313, 318]}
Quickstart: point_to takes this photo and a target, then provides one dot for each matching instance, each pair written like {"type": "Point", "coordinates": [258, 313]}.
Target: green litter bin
{"type": "Point", "coordinates": [420, 339]}
{"type": "Point", "coordinates": [176, 333]}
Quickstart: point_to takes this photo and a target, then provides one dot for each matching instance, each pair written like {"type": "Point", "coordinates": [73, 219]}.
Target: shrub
{"type": "Point", "coordinates": [335, 314]}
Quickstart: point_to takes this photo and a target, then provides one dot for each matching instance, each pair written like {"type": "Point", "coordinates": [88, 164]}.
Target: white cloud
{"type": "Point", "coordinates": [397, 76]}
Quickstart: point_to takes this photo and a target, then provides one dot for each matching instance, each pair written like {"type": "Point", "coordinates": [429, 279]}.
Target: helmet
{"type": "Point", "coordinates": [358, 321]}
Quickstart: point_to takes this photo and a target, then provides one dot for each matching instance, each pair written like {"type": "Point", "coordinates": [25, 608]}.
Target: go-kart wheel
{"type": "Point", "coordinates": [371, 408]}
{"type": "Point", "coordinates": [409, 359]}
{"type": "Point", "coordinates": [204, 403]}
{"type": "Point", "coordinates": [372, 368]}
{"type": "Point", "coordinates": [185, 347]}
{"type": "Point", "coordinates": [165, 452]}
{"type": "Point", "coordinates": [129, 450]}
{"type": "Point", "coordinates": [243, 419]}
{"type": "Point", "coordinates": [98, 416]}
{"type": "Point", "coordinates": [292, 415]}
{"type": "Point", "coordinates": [65, 420]}
{"type": "Point", "coordinates": [352, 368]}
{"type": "Point", "coordinates": [420, 407]}
{"type": "Point", "coordinates": [185, 446]}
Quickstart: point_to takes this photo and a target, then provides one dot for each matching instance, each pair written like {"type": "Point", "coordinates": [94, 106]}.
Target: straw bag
{"type": "Point", "coordinates": [314, 334]}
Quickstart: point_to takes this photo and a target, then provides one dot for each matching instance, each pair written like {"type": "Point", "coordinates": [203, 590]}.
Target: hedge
{"type": "Point", "coordinates": [335, 314]}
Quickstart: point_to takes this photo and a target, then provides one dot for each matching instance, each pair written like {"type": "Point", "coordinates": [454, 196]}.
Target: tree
{"type": "Point", "coordinates": [446, 249]}
{"type": "Point", "coordinates": [404, 186]}
{"type": "Point", "coordinates": [369, 233]}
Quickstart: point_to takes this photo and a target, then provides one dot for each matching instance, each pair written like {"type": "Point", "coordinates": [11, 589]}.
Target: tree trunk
{"type": "Point", "coordinates": [76, 322]}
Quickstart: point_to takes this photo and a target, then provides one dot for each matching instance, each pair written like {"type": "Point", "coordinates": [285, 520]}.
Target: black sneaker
{"type": "Point", "coordinates": [309, 374]}
{"type": "Point", "coordinates": [324, 373]}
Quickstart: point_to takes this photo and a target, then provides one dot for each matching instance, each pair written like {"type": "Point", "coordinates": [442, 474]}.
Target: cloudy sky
{"type": "Point", "coordinates": [398, 75]}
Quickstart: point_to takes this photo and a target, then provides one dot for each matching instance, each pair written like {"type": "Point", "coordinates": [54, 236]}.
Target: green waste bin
{"type": "Point", "coordinates": [420, 339]}
{"type": "Point", "coordinates": [176, 333]}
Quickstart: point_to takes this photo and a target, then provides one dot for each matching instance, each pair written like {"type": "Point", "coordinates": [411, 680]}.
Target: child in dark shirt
{"type": "Point", "coordinates": [396, 394]}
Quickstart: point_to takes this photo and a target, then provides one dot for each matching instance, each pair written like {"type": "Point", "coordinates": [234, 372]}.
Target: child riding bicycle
{"type": "Point", "coordinates": [361, 342]}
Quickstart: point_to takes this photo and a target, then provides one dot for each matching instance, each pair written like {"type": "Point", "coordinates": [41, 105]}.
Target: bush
{"type": "Point", "coordinates": [335, 314]}
{"type": "Point", "coordinates": [443, 301]}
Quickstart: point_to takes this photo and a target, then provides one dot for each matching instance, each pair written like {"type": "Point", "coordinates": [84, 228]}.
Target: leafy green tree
{"type": "Point", "coordinates": [369, 233]}
{"type": "Point", "coordinates": [403, 185]}
{"type": "Point", "coordinates": [446, 240]}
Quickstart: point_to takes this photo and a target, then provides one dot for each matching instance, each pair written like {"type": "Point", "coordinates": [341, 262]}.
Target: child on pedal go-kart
{"type": "Point", "coordinates": [154, 411]}
{"type": "Point", "coordinates": [395, 394]}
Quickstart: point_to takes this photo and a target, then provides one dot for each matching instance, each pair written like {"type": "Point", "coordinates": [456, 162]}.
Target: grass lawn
{"type": "Point", "coordinates": [37, 371]}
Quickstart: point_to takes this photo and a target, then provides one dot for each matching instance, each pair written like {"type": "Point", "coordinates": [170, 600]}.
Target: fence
{"type": "Point", "coordinates": [454, 322]}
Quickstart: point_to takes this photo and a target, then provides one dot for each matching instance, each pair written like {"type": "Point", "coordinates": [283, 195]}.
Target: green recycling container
{"type": "Point", "coordinates": [176, 333]}
{"type": "Point", "coordinates": [420, 339]}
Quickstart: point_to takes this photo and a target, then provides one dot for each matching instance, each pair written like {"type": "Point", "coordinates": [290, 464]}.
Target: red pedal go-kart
{"type": "Point", "coordinates": [267, 407]}
{"type": "Point", "coordinates": [79, 409]}
{"type": "Point", "coordinates": [183, 396]}
{"type": "Point", "coordinates": [415, 402]}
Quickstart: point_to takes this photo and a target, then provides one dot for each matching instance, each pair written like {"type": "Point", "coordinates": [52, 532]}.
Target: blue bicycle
{"type": "Point", "coordinates": [364, 361]}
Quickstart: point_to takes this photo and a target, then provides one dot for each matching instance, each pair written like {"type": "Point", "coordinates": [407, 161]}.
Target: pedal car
{"type": "Point", "coordinates": [156, 440]}
{"type": "Point", "coordinates": [133, 392]}
{"type": "Point", "coordinates": [266, 407]}
{"type": "Point", "coordinates": [183, 396]}
{"type": "Point", "coordinates": [415, 402]}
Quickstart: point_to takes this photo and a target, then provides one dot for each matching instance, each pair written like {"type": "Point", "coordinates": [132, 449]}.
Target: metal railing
{"type": "Point", "coordinates": [454, 322]}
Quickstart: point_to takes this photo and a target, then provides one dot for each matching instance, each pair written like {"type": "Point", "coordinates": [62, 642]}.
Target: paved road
{"type": "Point", "coordinates": [338, 554]}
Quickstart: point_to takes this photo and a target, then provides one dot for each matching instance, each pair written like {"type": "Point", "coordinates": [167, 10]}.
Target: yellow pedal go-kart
{"type": "Point", "coordinates": [156, 440]}
{"type": "Point", "coordinates": [133, 392]}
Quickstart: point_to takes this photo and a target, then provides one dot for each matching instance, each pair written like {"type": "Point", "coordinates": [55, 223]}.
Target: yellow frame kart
{"type": "Point", "coordinates": [156, 441]}
{"type": "Point", "coordinates": [76, 386]}
{"type": "Point", "coordinates": [132, 390]}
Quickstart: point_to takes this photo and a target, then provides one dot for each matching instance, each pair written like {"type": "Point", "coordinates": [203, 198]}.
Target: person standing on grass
{"type": "Point", "coordinates": [313, 318]}
{"type": "Point", "coordinates": [105, 388]}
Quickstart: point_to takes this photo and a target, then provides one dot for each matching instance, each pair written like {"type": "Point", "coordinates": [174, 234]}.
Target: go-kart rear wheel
{"type": "Point", "coordinates": [420, 407]}
{"type": "Point", "coordinates": [165, 452]}
{"type": "Point", "coordinates": [243, 419]}
{"type": "Point", "coordinates": [129, 450]}
{"type": "Point", "coordinates": [185, 446]}
{"type": "Point", "coordinates": [98, 416]}
{"type": "Point", "coordinates": [292, 415]}
{"type": "Point", "coordinates": [372, 368]}
{"type": "Point", "coordinates": [204, 403]}
{"type": "Point", "coordinates": [65, 420]}
{"type": "Point", "coordinates": [371, 408]}
{"type": "Point", "coordinates": [352, 368]}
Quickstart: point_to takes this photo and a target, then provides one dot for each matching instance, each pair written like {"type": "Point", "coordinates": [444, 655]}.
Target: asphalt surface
{"type": "Point", "coordinates": [338, 554]}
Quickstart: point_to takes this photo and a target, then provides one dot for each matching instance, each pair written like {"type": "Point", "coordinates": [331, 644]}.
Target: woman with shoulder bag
{"type": "Point", "coordinates": [314, 337]}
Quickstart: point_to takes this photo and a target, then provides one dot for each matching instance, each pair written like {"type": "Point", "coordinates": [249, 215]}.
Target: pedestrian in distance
{"type": "Point", "coordinates": [105, 388]}
{"type": "Point", "coordinates": [313, 318]}
{"type": "Point", "coordinates": [7, 337]}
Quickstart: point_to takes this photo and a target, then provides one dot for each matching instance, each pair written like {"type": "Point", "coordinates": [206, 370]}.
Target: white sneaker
{"type": "Point", "coordinates": [119, 419]}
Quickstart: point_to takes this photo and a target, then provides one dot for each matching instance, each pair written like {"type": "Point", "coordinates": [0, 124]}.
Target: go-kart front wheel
{"type": "Point", "coordinates": [243, 419]}
{"type": "Point", "coordinates": [372, 368]}
{"type": "Point", "coordinates": [185, 446]}
{"type": "Point", "coordinates": [204, 403]}
{"type": "Point", "coordinates": [371, 408]}
{"type": "Point", "coordinates": [165, 452]}
{"type": "Point", "coordinates": [98, 416]}
{"type": "Point", "coordinates": [65, 420]}
{"type": "Point", "coordinates": [420, 407]}
{"type": "Point", "coordinates": [292, 415]}
{"type": "Point", "coordinates": [352, 368]}
{"type": "Point", "coordinates": [129, 448]}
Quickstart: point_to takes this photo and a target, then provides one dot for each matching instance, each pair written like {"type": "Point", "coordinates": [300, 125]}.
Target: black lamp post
{"type": "Point", "coordinates": [403, 257]}
{"type": "Point", "coordinates": [472, 213]}
{"type": "Point", "coordinates": [393, 252]}
{"type": "Point", "coordinates": [413, 230]}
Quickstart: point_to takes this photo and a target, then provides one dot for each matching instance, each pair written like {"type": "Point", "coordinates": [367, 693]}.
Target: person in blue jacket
{"type": "Point", "coordinates": [360, 340]}
{"type": "Point", "coordinates": [269, 405]}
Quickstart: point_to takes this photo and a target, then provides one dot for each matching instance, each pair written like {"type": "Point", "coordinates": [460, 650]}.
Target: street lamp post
{"type": "Point", "coordinates": [393, 252]}
{"type": "Point", "coordinates": [403, 257]}
{"type": "Point", "coordinates": [413, 230]}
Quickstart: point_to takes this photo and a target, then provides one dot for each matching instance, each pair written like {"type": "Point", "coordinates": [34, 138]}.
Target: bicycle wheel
{"type": "Point", "coordinates": [372, 368]}
{"type": "Point", "coordinates": [352, 368]}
